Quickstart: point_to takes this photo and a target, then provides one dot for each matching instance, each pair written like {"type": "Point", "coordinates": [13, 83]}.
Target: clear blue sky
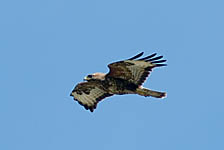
{"type": "Point", "coordinates": [48, 46]}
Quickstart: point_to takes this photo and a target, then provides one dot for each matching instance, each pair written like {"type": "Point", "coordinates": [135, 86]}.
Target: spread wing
{"type": "Point", "coordinates": [88, 94]}
{"type": "Point", "coordinates": [135, 70]}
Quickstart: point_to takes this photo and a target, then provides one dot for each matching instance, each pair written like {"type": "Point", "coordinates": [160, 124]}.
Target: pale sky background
{"type": "Point", "coordinates": [48, 46]}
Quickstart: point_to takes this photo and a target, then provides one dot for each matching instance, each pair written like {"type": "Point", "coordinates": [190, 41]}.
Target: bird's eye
{"type": "Point", "coordinates": [89, 76]}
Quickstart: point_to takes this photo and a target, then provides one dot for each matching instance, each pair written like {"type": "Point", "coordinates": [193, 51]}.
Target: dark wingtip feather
{"type": "Point", "coordinates": [152, 59]}
{"type": "Point", "coordinates": [160, 65]}
{"type": "Point", "coordinates": [158, 61]}
{"type": "Point", "coordinates": [147, 57]}
{"type": "Point", "coordinates": [156, 58]}
{"type": "Point", "coordinates": [137, 56]}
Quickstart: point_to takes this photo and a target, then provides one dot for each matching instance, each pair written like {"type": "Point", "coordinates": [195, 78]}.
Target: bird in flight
{"type": "Point", "coordinates": [124, 77]}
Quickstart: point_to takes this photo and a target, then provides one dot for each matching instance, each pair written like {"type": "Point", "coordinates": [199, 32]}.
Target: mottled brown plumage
{"type": "Point", "coordinates": [124, 77]}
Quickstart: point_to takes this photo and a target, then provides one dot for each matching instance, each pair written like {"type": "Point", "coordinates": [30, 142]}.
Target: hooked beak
{"type": "Point", "coordinates": [85, 79]}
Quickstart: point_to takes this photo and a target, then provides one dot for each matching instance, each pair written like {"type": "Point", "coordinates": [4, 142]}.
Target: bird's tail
{"type": "Point", "coordinates": [146, 92]}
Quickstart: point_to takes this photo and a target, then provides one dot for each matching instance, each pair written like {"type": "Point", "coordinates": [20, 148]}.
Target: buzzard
{"type": "Point", "coordinates": [124, 77]}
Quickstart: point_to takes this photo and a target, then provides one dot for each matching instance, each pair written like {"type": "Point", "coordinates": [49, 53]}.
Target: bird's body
{"type": "Point", "coordinates": [125, 77]}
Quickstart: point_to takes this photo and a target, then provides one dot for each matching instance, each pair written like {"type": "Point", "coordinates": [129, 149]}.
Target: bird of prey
{"type": "Point", "coordinates": [124, 77]}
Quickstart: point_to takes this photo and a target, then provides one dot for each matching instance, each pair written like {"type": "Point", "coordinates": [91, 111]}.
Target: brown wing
{"type": "Point", "coordinates": [88, 94]}
{"type": "Point", "coordinates": [135, 71]}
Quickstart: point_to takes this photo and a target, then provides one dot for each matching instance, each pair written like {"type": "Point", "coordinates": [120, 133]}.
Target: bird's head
{"type": "Point", "coordinates": [95, 76]}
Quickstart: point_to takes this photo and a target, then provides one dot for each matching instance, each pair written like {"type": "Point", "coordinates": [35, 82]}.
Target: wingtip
{"type": "Point", "coordinates": [136, 56]}
{"type": "Point", "coordinates": [160, 65]}
{"type": "Point", "coordinates": [154, 58]}
{"type": "Point", "coordinates": [154, 54]}
{"type": "Point", "coordinates": [148, 57]}
{"type": "Point", "coordinates": [142, 53]}
{"type": "Point", "coordinates": [159, 61]}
